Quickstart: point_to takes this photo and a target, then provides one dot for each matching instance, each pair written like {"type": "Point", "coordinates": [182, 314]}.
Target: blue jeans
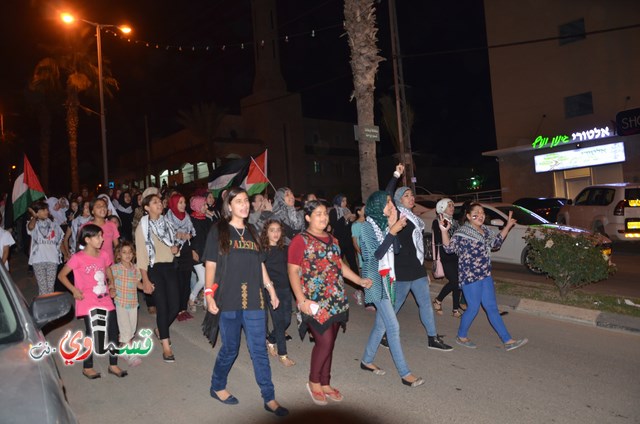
{"type": "Point", "coordinates": [231, 323]}
{"type": "Point", "coordinates": [386, 320]}
{"type": "Point", "coordinates": [482, 293]}
{"type": "Point", "coordinates": [420, 290]}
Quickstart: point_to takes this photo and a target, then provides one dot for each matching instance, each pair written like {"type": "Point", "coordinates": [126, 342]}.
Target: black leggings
{"type": "Point", "coordinates": [98, 338]}
{"type": "Point", "coordinates": [281, 318]}
{"type": "Point", "coordinates": [451, 273]}
{"type": "Point", "coordinates": [165, 295]}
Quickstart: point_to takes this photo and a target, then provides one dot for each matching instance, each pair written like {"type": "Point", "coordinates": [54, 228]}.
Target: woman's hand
{"type": "Point", "coordinates": [400, 169]}
{"type": "Point", "coordinates": [365, 282]}
{"type": "Point", "coordinates": [305, 306]}
{"type": "Point", "coordinates": [444, 225]}
{"type": "Point", "coordinates": [175, 250]}
{"type": "Point", "coordinates": [275, 302]}
{"type": "Point", "coordinates": [211, 305]}
{"type": "Point", "coordinates": [511, 220]}
{"type": "Point", "coordinates": [77, 294]}
{"type": "Point", "coordinates": [148, 287]}
{"type": "Point", "coordinates": [398, 225]}
{"type": "Point", "coordinates": [112, 292]}
{"type": "Point", "coordinates": [195, 256]}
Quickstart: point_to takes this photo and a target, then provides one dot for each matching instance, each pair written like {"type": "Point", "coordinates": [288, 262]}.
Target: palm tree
{"type": "Point", "coordinates": [77, 67]}
{"type": "Point", "coordinates": [203, 121]}
{"type": "Point", "coordinates": [360, 24]}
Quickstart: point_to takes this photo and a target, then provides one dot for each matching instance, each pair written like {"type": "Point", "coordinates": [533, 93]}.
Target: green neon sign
{"type": "Point", "coordinates": [542, 141]}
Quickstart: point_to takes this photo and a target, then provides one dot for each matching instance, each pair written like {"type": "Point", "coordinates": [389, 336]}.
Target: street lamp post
{"type": "Point", "coordinates": [67, 18]}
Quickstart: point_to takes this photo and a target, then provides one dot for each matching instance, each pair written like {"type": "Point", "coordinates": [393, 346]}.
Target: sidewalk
{"type": "Point", "coordinates": [28, 286]}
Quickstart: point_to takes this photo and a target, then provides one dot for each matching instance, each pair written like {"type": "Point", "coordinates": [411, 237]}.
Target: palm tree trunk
{"type": "Point", "coordinates": [360, 24]}
{"type": "Point", "coordinates": [72, 133]}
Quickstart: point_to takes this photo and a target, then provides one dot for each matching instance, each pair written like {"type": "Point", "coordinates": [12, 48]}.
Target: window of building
{"type": "Point", "coordinates": [317, 168]}
{"type": "Point", "coordinates": [202, 169]}
{"type": "Point", "coordinates": [571, 32]}
{"type": "Point", "coordinates": [578, 105]}
{"type": "Point", "coordinates": [188, 173]}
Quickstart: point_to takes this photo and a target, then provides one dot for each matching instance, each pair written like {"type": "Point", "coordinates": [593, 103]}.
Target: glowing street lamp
{"type": "Point", "coordinates": [67, 18]}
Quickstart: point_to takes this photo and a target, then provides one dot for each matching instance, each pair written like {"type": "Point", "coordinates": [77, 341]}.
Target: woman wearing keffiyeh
{"type": "Point", "coordinates": [377, 244]}
{"type": "Point", "coordinates": [285, 212]}
{"type": "Point", "coordinates": [181, 222]}
{"type": "Point", "coordinates": [155, 248]}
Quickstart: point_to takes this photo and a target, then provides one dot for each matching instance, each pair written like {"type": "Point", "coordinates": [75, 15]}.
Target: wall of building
{"type": "Point", "coordinates": [530, 81]}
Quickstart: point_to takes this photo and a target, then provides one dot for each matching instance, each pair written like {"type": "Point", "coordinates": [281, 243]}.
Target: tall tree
{"type": "Point", "coordinates": [203, 121]}
{"type": "Point", "coordinates": [360, 24]}
{"type": "Point", "coordinates": [73, 70]}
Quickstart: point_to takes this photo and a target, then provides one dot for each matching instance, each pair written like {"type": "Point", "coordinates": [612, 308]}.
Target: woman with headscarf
{"type": "Point", "coordinates": [444, 209]}
{"type": "Point", "coordinates": [125, 210]}
{"type": "Point", "coordinates": [377, 245]}
{"type": "Point", "coordinates": [201, 224]}
{"type": "Point", "coordinates": [411, 273]}
{"type": "Point", "coordinates": [285, 212]}
{"type": "Point", "coordinates": [340, 219]}
{"type": "Point", "coordinates": [184, 231]}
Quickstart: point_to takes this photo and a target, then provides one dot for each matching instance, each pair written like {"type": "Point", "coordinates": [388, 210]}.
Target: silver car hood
{"type": "Point", "coordinates": [18, 388]}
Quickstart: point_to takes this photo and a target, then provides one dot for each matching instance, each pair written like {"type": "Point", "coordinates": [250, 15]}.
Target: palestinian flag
{"type": "Point", "coordinates": [229, 174]}
{"type": "Point", "coordinates": [256, 180]}
{"type": "Point", "coordinates": [26, 189]}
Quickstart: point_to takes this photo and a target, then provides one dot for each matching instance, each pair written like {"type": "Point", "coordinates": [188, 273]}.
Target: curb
{"type": "Point", "coordinates": [605, 320]}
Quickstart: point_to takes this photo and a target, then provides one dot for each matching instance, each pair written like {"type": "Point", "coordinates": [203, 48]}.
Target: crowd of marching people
{"type": "Point", "coordinates": [250, 261]}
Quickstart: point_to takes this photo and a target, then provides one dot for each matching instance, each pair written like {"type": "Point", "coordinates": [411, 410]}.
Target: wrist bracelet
{"type": "Point", "coordinates": [212, 290]}
{"type": "Point", "coordinates": [301, 303]}
{"type": "Point", "coordinates": [267, 285]}
{"type": "Point", "coordinates": [396, 174]}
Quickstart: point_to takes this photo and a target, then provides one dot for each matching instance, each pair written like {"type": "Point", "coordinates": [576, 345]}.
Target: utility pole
{"type": "Point", "coordinates": [404, 132]}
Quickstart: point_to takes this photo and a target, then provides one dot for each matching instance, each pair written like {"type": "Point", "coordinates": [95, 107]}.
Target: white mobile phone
{"type": "Point", "coordinates": [314, 308]}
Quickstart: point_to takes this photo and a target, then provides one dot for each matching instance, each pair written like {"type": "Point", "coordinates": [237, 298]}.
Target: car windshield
{"type": "Point", "coordinates": [10, 330]}
{"type": "Point", "coordinates": [523, 216]}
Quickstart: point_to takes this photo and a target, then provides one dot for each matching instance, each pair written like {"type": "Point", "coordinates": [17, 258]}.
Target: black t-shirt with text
{"type": "Point", "coordinates": [241, 285]}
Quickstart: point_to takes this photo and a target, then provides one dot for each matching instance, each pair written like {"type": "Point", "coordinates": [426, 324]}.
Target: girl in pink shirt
{"type": "Point", "coordinates": [93, 289]}
{"type": "Point", "coordinates": [110, 231]}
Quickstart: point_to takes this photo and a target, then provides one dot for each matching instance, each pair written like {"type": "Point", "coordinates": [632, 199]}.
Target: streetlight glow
{"type": "Point", "coordinates": [67, 18]}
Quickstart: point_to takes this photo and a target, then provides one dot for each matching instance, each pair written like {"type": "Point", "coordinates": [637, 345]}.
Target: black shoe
{"type": "Point", "coordinates": [231, 400]}
{"type": "Point", "coordinates": [418, 382]}
{"type": "Point", "coordinates": [121, 374]}
{"type": "Point", "coordinates": [288, 337]}
{"type": "Point", "coordinates": [168, 358]}
{"type": "Point", "coordinates": [436, 343]}
{"type": "Point", "coordinates": [384, 342]}
{"type": "Point", "coordinates": [280, 411]}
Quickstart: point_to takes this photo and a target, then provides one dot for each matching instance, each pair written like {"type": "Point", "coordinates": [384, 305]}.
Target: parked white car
{"type": "Point", "coordinates": [609, 209]}
{"type": "Point", "coordinates": [514, 249]}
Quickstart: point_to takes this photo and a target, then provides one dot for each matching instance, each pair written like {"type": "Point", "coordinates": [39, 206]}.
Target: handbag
{"type": "Point", "coordinates": [436, 269]}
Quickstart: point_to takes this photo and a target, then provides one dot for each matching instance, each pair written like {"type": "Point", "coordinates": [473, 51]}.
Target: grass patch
{"type": "Point", "coordinates": [577, 298]}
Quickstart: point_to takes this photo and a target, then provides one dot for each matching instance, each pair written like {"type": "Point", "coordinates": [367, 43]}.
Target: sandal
{"type": "Point", "coordinates": [319, 398]}
{"type": "Point", "coordinates": [456, 313]}
{"type": "Point", "coordinates": [91, 376]}
{"type": "Point", "coordinates": [271, 348]}
{"type": "Point", "coordinates": [334, 395]}
{"type": "Point", "coordinates": [437, 306]}
{"type": "Point", "coordinates": [286, 361]}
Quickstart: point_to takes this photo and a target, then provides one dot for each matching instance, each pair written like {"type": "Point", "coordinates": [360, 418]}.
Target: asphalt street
{"type": "Point", "coordinates": [567, 373]}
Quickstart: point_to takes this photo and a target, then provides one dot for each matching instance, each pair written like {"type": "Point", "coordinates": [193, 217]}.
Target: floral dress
{"type": "Point", "coordinates": [321, 281]}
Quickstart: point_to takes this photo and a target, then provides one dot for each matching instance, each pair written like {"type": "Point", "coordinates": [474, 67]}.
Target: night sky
{"type": "Point", "coordinates": [449, 89]}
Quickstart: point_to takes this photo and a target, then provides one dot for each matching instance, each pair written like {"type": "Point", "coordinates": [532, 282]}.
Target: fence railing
{"type": "Point", "coordinates": [479, 196]}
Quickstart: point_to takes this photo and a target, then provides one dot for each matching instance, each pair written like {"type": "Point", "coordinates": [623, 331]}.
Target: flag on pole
{"type": "Point", "coordinates": [26, 189]}
{"type": "Point", "coordinates": [230, 174]}
{"type": "Point", "coordinates": [256, 180]}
